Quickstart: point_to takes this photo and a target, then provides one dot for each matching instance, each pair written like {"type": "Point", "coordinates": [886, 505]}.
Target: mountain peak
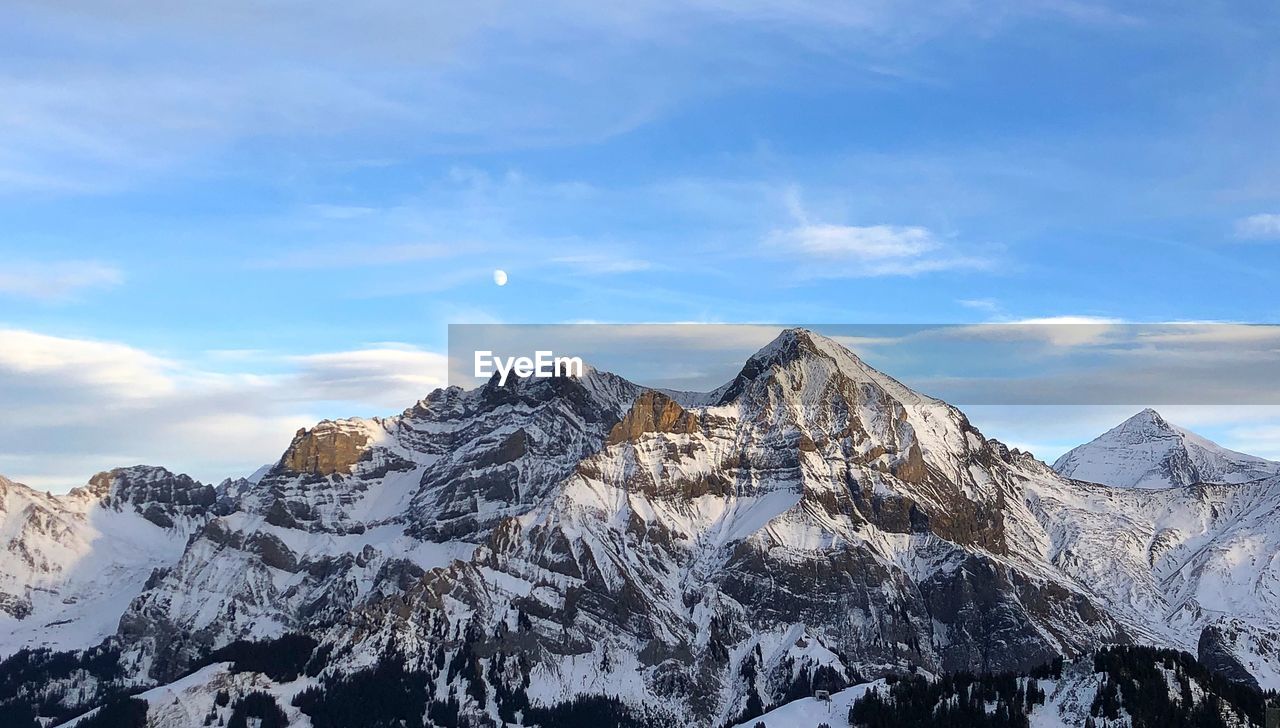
{"type": "Point", "coordinates": [798, 342]}
{"type": "Point", "coordinates": [788, 347]}
{"type": "Point", "coordinates": [160, 495]}
{"type": "Point", "coordinates": [805, 348]}
{"type": "Point", "coordinates": [1148, 451]}
{"type": "Point", "coordinates": [1148, 416]}
{"type": "Point", "coordinates": [792, 334]}
{"type": "Point", "coordinates": [117, 481]}
{"type": "Point", "coordinates": [1146, 424]}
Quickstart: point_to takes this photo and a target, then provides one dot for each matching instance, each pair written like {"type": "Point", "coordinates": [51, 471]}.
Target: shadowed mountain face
{"type": "Point", "coordinates": [813, 517]}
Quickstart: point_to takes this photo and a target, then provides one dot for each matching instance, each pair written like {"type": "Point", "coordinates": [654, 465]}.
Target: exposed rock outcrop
{"type": "Point", "coordinates": [326, 449]}
{"type": "Point", "coordinates": [653, 412]}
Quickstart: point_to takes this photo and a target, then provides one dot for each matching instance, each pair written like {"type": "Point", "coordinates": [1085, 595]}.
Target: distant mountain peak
{"type": "Point", "coordinates": [1148, 451]}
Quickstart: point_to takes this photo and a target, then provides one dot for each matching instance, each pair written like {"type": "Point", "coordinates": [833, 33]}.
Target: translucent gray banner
{"type": "Point", "coordinates": [1026, 363]}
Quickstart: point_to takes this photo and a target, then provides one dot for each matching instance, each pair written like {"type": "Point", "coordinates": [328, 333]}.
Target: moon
{"type": "Point", "coordinates": [500, 277]}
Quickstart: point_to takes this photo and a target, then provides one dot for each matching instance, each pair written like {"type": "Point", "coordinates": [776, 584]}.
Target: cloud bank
{"type": "Point", "coordinates": [75, 406]}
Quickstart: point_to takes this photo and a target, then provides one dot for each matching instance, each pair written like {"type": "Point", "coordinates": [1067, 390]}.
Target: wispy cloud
{"type": "Point", "coordinates": [1264, 226]}
{"type": "Point", "coordinates": [87, 405]}
{"type": "Point", "coordinates": [1061, 331]}
{"type": "Point", "coordinates": [340, 212]}
{"type": "Point", "coordinates": [821, 249]}
{"type": "Point", "coordinates": [97, 368]}
{"type": "Point", "coordinates": [1211, 334]}
{"type": "Point", "coordinates": [989, 305]}
{"type": "Point", "coordinates": [827, 250]}
{"type": "Point", "coordinates": [871, 243]}
{"type": "Point", "coordinates": [602, 263]}
{"type": "Point", "coordinates": [476, 78]}
{"type": "Point", "coordinates": [387, 376]}
{"type": "Point", "coordinates": [355, 255]}
{"type": "Point", "coordinates": [56, 281]}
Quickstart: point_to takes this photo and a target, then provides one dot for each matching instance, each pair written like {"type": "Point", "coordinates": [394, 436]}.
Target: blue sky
{"type": "Point", "coordinates": [222, 223]}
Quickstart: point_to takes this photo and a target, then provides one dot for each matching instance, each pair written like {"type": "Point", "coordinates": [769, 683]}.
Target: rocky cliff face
{"type": "Point", "coordinates": [700, 555]}
{"type": "Point", "coordinates": [326, 449]}
{"type": "Point", "coordinates": [164, 498]}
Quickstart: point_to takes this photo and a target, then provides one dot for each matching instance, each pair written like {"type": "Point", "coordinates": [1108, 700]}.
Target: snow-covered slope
{"type": "Point", "coordinates": [1145, 451]}
{"type": "Point", "coordinates": [1186, 544]}
{"type": "Point", "coordinates": [812, 712]}
{"type": "Point", "coordinates": [72, 563]}
{"type": "Point", "coordinates": [1176, 562]}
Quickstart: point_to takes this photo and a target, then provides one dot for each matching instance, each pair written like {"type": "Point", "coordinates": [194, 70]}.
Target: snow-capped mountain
{"type": "Point", "coordinates": [515, 550]}
{"type": "Point", "coordinates": [818, 516]}
{"type": "Point", "coordinates": [1145, 451]}
{"type": "Point", "coordinates": [72, 563]}
{"type": "Point", "coordinates": [358, 510]}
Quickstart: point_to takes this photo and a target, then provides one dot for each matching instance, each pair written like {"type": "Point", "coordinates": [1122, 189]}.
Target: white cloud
{"type": "Point", "coordinates": [1062, 330]}
{"type": "Point", "coordinates": [990, 305]}
{"type": "Point", "coordinates": [1259, 227]}
{"type": "Point", "coordinates": [1167, 339]}
{"type": "Point", "coordinates": [48, 381]}
{"type": "Point", "coordinates": [1210, 333]}
{"type": "Point", "coordinates": [874, 242]}
{"type": "Point", "coordinates": [56, 281]}
{"type": "Point", "coordinates": [1057, 331]}
{"type": "Point", "coordinates": [75, 406]}
{"type": "Point", "coordinates": [825, 250]}
{"type": "Point", "coordinates": [386, 376]}
{"type": "Point", "coordinates": [602, 264]}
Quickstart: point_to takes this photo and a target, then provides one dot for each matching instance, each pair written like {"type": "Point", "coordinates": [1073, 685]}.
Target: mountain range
{"type": "Point", "coordinates": [584, 546]}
